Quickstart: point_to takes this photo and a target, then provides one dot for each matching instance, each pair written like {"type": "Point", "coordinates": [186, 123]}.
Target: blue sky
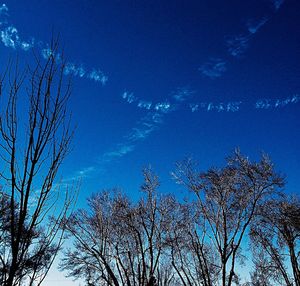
{"type": "Point", "coordinates": [156, 81]}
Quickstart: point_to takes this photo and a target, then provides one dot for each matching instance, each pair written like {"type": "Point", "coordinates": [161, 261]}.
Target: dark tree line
{"type": "Point", "coordinates": [160, 240]}
{"type": "Point", "coordinates": [275, 235]}
{"type": "Point", "coordinates": [121, 243]}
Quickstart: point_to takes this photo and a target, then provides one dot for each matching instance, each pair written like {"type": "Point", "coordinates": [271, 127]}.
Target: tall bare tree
{"type": "Point", "coordinates": [117, 242]}
{"type": "Point", "coordinates": [227, 199]}
{"type": "Point", "coordinates": [162, 241]}
{"type": "Point", "coordinates": [276, 234]}
{"type": "Point", "coordinates": [193, 258]}
{"type": "Point", "coordinates": [33, 144]}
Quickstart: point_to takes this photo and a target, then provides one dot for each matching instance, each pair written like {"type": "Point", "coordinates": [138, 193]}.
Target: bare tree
{"type": "Point", "coordinates": [265, 273]}
{"type": "Point", "coordinates": [276, 234]}
{"type": "Point", "coordinates": [228, 199]}
{"type": "Point", "coordinates": [33, 145]}
{"type": "Point", "coordinates": [160, 241]}
{"type": "Point", "coordinates": [194, 260]}
{"type": "Point", "coordinates": [117, 242]}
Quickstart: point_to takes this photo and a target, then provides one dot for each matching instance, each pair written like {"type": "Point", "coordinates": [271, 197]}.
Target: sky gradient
{"type": "Point", "coordinates": [156, 81]}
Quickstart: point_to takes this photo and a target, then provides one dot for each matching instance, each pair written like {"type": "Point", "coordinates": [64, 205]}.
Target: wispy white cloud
{"type": "Point", "coordinates": [77, 70]}
{"type": "Point", "coordinates": [47, 52]}
{"type": "Point", "coordinates": [25, 46]}
{"type": "Point", "coordinates": [128, 145]}
{"type": "Point", "coordinates": [214, 68]}
{"type": "Point", "coordinates": [163, 106]}
{"type": "Point", "coordinates": [277, 103]}
{"type": "Point", "coordinates": [3, 9]}
{"type": "Point", "coordinates": [145, 104]}
{"type": "Point", "coordinates": [129, 97]}
{"type": "Point", "coordinates": [277, 4]}
{"type": "Point", "coordinates": [147, 124]}
{"type": "Point", "coordinates": [289, 100]}
{"type": "Point", "coordinates": [155, 117]}
{"type": "Point", "coordinates": [80, 174]}
{"type": "Point", "coordinates": [152, 118]}
{"type": "Point", "coordinates": [143, 128]}
{"type": "Point", "coordinates": [182, 94]}
{"type": "Point", "coordinates": [263, 104]}
{"type": "Point", "coordinates": [72, 69]}
{"type": "Point", "coordinates": [237, 45]}
{"type": "Point", "coordinates": [119, 151]}
{"type": "Point", "coordinates": [86, 171]}
{"type": "Point", "coordinates": [10, 38]}
{"type": "Point", "coordinates": [194, 107]}
{"type": "Point", "coordinates": [140, 133]}
{"type": "Point", "coordinates": [177, 97]}
{"type": "Point", "coordinates": [254, 25]}
{"type": "Point", "coordinates": [98, 76]}
{"type": "Point", "coordinates": [232, 106]}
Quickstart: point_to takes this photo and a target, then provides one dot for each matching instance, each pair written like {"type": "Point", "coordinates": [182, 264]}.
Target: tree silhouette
{"type": "Point", "coordinates": [162, 240]}
{"type": "Point", "coordinates": [276, 234]}
{"type": "Point", "coordinates": [117, 242]}
{"type": "Point", "coordinates": [227, 200]}
{"type": "Point", "coordinates": [33, 145]}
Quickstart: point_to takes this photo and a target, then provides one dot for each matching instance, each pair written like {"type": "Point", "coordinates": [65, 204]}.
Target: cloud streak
{"type": "Point", "coordinates": [120, 151]}
{"type": "Point", "coordinates": [162, 106]}
{"type": "Point", "coordinates": [145, 104]}
{"type": "Point", "coordinates": [147, 124]}
{"type": "Point", "coordinates": [3, 10]}
{"type": "Point", "coordinates": [9, 34]}
{"type": "Point", "coordinates": [82, 173]}
{"type": "Point", "coordinates": [154, 118]}
{"type": "Point", "coordinates": [143, 128]}
{"type": "Point", "coordinates": [155, 112]}
{"type": "Point", "coordinates": [237, 45]}
{"type": "Point", "coordinates": [177, 97]}
{"type": "Point", "coordinates": [214, 68]}
{"type": "Point", "coordinates": [129, 97]}
{"type": "Point", "coordinates": [277, 103]}
{"type": "Point", "coordinates": [255, 25]}
{"type": "Point", "coordinates": [182, 94]}
{"type": "Point", "coordinates": [277, 4]}
{"type": "Point", "coordinates": [77, 70]}
{"type": "Point", "coordinates": [232, 106]}
{"type": "Point", "coordinates": [10, 38]}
